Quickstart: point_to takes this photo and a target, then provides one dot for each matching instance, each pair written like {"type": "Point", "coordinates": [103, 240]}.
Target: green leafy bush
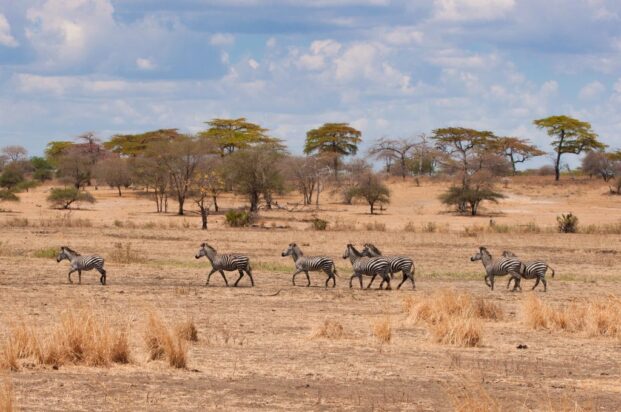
{"type": "Point", "coordinates": [567, 223]}
{"type": "Point", "coordinates": [238, 218]}
{"type": "Point", "coordinates": [62, 198]}
{"type": "Point", "coordinates": [319, 224]}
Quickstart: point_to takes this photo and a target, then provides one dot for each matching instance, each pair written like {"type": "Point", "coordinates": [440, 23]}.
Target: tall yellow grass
{"type": "Point", "coordinates": [382, 330]}
{"type": "Point", "coordinates": [329, 329]}
{"type": "Point", "coordinates": [472, 397]}
{"type": "Point", "coordinates": [453, 318]}
{"type": "Point", "coordinates": [162, 343]}
{"type": "Point", "coordinates": [596, 317]}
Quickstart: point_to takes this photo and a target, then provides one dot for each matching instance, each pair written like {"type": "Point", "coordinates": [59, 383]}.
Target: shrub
{"type": "Point", "coordinates": [409, 227]}
{"type": "Point", "coordinates": [329, 329]}
{"type": "Point", "coordinates": [319, 224]}
{"type": "Point", "coordinates": [47, 253]}
{"type": "Point", "coordinates": [567, 223]}
{"type": "Point", "coordinates": [162, 344]}
{"type": "Point", "coordinates": [238, 218]}
{"type": "Point", "coordinates": [187, 330]}
{"type": "Point", "coordinates": [62, 198]}
{"type": "Point", "coordinates": [467, 198]}
{"type": "Point", "coordinates": [123, 253]}
{"type": "Point", "coordinates": [430, 227]}
{"type": "Point", "coordinates": [8, 196]}
{"type": "Point", "coordinates": [376, 226]}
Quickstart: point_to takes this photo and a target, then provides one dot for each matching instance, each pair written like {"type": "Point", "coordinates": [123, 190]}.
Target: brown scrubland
{"type": "Point", "coordinates": [156, 338]}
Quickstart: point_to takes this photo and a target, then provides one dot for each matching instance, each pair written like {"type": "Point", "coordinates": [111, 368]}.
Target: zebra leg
{"type": "Point", "coordinates": [545, 284]}
{"type": "Point", "coordinates": [226, 282]}
{"type": "Point", "coordinates": [307, 278]}
{"type": "Point", "coordinates": [386, 276]}
{"type": "Point", "coordinates": [517, 282]}
{"type": "Point", "coordinates": [294, 275]}
{"type": "Point", "coordinates": [491, 281]}
{"type": "Point", "coordinates": [69, 275]}
{"type": "Point", "coordinates": [405, 277]}
{"type": "Point", "coordinates": [509, 282]}
{"type": "Point", "coordinates": [536, 283]}
{"type": "Point", "coordinates": [412, 278]}
{"type": "Point", "coordinates": [486, 278]}
{"type": "Point", "coordinates": [209, 276]}
{"type": "Point", "coordinates": [249, 271]}
{"type": "Point", "coordinates": [102, 278]}
{"type": "Point", "coordinates": [79, 277]}
{"type": "Point", "coordinates": [241, 275]}
{"type": "Point", "coordinates": [371, 282]}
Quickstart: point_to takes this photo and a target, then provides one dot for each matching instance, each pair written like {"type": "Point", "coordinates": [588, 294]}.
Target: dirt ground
{"type": "Point", "coordinates": [256, 348]}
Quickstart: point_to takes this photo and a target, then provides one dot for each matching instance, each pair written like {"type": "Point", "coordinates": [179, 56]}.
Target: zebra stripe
{"type": "Point", "coordinates": [366, 266]}
{"type": "Point", "coordinates": [498, 267]}
{"type": "Point", "coordinates": [225, 262]}
{"type": "Point", "coordinates": [535, 269]}
{"type": "Point", "coordinates": [78, 263]}
{"type": "Point", "coordinates": [310, 264]}
{"type": "Point", "coordinates": [396, 264]}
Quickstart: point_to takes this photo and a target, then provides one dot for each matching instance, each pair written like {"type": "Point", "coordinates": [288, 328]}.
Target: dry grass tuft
{"type": "Point", "coordinates": [453, 318]}
{"type": "Point", "coordinates": [329, 329]}
{"type": "Point", "coordinates": [80, 338]}
{"type": "Point", "coordinates": [597, 317]}
{"type": "Point", "coordinates": [162, 344]}
{"type": "Point", "coordinates": [125, 253]}
{"type": "Point", "coordinates": [7, 397]}
{"type": "Point", "coordinates": [472, 397]}
{"type": "Point", "coordinates": [187, 330]}
{"type": "Point", "coordinates": [382, 330]}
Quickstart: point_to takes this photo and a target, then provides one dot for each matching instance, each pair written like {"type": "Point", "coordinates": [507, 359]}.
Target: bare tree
{"type": "Point", "coordinates": [150, 173]}
{"type": "Point", "coordinates": [307, 174]}
{"type": "Point", "coordinates": [370, 187]}
{"type": "Point", "coordinates": [115, 172]}
{"type": "Point", "coordinates": [600, 163]}
{"type": "Point", "coordinates": [14, 153]}
{"type": "Point", "coordinates": [396, 149]}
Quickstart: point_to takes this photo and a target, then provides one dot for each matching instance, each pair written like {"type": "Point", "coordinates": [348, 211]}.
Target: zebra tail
{"type": "Point", "coordinates": [336, 273]}
{"type": "Point", "coordinates": [551, 270]}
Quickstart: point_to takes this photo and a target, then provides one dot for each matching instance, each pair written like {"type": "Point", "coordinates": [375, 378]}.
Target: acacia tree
{"type": "Point", "coordinates": [518, 150]}
{"type": "Point", "coordinates": [371, 188]}
{"type": "Point", "coordinates": [334, 140]}
{"type": "Point", "coordinates": [134, 145]}
{"type": "Point", "coordinates": [14, 153]}
{"type": "Point", "coordinates": [149, 172]}
{"type": "Point", "coordinates": [601, 163]}
{"type": "Point", "coordinates": [73, 167]}
{"type": "Point", "coordinates": [206, 183]}
{"type": "Point", "coordinates": [397, 149]}
{"type": "Point", "coordinates": [229, 135]}
{"type": "Point", "coordinates": [307, 173]}
{"type": "Point", "coordinates": [571, 136]}
{"type": "Point", "coordinates": [115, 172]}
{"type": "Point", "coordinates": [471, 154]}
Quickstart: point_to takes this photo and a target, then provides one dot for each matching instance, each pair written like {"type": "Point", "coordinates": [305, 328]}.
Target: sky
{"type": "Point", "coordinates": [391, 68]}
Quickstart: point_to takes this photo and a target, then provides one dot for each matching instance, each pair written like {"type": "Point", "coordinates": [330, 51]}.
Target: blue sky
{"type": "Point", "coordinates": [388, 67]}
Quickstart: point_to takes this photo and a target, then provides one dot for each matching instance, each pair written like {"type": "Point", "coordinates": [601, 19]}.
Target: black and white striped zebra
{"type": "Point", "coordinates": [78, 263]}
{"type": "Point", "coordinates": [227, 262]}
{"type": "Point", "coordinates": [396, 264]}
{"type": "Point", "coordinates": [498, 267]}
{"type": "Point", "coordinates": [310, 264]}
{"type": "Point", "coordinates": [534, 269]}
{"type": "Point", "coordinates": [363, 265]}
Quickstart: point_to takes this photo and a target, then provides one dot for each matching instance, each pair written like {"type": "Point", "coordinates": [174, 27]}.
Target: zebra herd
{"type": "Point", "coordinates": [368, 262]}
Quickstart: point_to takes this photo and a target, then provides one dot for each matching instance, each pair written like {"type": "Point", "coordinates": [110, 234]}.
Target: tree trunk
{"type": "Point", "coordinates": [336, 167]}
{"type": "Point", "coordinates": [215, 203]}
{"type": "Point", "coordinates": [559, 150]}
{"type": "Point", "coordinates": [254, 202]}
{"type": "Point", "coordinates": [403, 167]}
{"type": "Point", "coordinates": [181, 201]}
{"type": "Point", "coordinates": [119, 187]}
{"type": "Point", "coordinates": [204, 214]}
{"type": "Point", "coordinates": [372, 204]}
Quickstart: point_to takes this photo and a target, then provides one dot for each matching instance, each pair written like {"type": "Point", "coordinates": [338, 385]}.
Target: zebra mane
{"type": "Point", "coordinates": [508, 253]}
{"type": "Point", "coordinates": [374, 249]}
{"type": "Point", "coordinates": [68, 249]}
{"type": "Point", "coordinates": [207, 245]}
{"type": "Point", "coordinates": [297, 248]}
{"type": "Point", "coordinates": [353, 249]}
{"type": "Point", "coordinates": [484, 250]}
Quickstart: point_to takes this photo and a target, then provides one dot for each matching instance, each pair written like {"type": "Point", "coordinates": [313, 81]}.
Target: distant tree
{"type": "Point", "coordinates": [149, 172]}
{"type": "Point", "coordinates": [600, 163]}
{"type": "Point", "coordinates": [371, 188]}
{"type": "Point", "coordinates": [14, 153]}
{"type": "Point", "coordinates": [8, 196]}
{"type": "Point", "coordinates": [397, 149]}
{"type": "Point", "coordinates": [349, 182]}
{"type": "Point", "coordinates": [571, 136]}
{"type": "Point", "coordinates": [333, 140]}
{"type": "Point", "coordinates": [62, 198]}
{"type": "Point", "coordinates": [307, 174]}
{"type": "Point", "coordinates": [229, 135]}
{"type": "Point", "coordinates": [133, 145]}
{"type": "Point", "coordinates": [205, 186]}
{"type": "Point", "coordinates": [518, 150]}
{"type": "Point", "coordinates": [42, 169]}
{"type": "Point", "coordinates": [55, 150]}
{"type": "Point", "coordinates": [10, 178]}
{"type": "Point", "coordinates": [74, 167]}
{"type": "Point", "coordinates": [114, 172]}
{"type": "Point", "coordinates": [471, 196]}
{"type": "Point", "coordinates": [255, 173]}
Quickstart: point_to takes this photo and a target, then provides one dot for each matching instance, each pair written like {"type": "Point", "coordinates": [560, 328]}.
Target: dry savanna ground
{"type": "Point", "coordinates": [156, 338]}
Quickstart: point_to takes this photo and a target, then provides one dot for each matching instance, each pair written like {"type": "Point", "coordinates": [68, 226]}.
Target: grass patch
{"type": "Point", "coordinates": [162, 344]}
{"type": "Point", "coordinates": [46, 253]}
{"type": "Point", "coordinates": [124, 253]}
{"type": "Point", "coordinates": [382, 330]}
{"type": "Point", "coordinates": [375, 227]}
{"type": "Point", "coordinates": [7, 396]}
{"type": "Point", "coordinates": [329, 329]}
{"type": "Point", "coordinates": [187, 330]}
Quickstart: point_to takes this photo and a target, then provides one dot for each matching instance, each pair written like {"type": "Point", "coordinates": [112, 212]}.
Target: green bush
{"type": "Point", "coordinates": [8, 196]}
{"type": "Point", "coordinates": [238, 218]}
{"type": "Point", "coordinates": [62, 198]}
{"type": "Point", "coordinates": [567, 223]}
{"type": "Point", "coordinates": [319, 224]}
{"type": "Point", "coordinates": [48, 252]}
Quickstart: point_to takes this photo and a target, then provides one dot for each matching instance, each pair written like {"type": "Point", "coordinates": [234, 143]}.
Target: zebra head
{"type": "Point", "coordinates": [481, 254]}
{"type": "Point", "coordinates": [66, 253]}
{"type": "Point", "coordinates": [290, 250]}
{"type": "Point", "coordinates": [508, 253]}
{"type": "Point", "coordinates": [351, 252]}
{"type": "Point", "coordinates": [370, 250]}
{"type": "Point", "coordinates": [204, 251]}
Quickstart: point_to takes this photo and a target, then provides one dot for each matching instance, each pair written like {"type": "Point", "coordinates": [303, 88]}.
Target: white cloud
{"type": "Point", "coordinates": [253, 64]}
{"type": "Point", "coordinates": [311, 62]}
{"type": "Point", "coordinates": [6, 39]}
{"type": "Point", "coordinates": [402, 36]}
{"type": "Point", "coordinates": [271, 42]}
{"type": "Point", "coordinates": [145, 64]}
{"type": "Point", "coordinates": [592, 90]}
{"type": "Point", "coordinates": [325, 47]}
{"type": "Point", "coordinates": [222, 39]}
{"type": "Point", "coordinates": [320, 52]}
{"type": "Point", "coordinates": [462, 10]}
{"type": "Point", "coordinates": [617, 86]}
{"type": "Point", "coordinates": [548, 88]}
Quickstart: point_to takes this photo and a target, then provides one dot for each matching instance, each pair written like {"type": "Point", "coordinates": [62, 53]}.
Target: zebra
{"type": "Point", "coordinates": [78, 263]}
{"type": "Point", "coordinates": [310, 264]}
{"type": "Point", "coordinates": [535, 269]}
{"type": "Point", "coordinates": [499, 267]}
{"type": "Point", "coordinates": [363, 265]}
{"type": "Point", "coordinates": [220, 263]}
{"type": "Point", "coordinates": [396, 264]}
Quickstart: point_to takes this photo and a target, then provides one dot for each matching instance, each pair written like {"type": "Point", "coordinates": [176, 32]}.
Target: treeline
{"type": "Point", "coordinates": [235, 155]}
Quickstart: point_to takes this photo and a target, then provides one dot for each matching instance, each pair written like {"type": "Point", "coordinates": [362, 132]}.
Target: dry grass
{"type": "Point", "coordinates": [329, 329]}
{"type": "Point", "coordinates": [472, 397]}
{"type": "Point", "coordinates": [162, 344]}
{"type": "Point", "coordinates": [125, 253]}
{"type": "Point", "coordinates": [453, 318]}
{"type": "Point", "coordinates": [80, 338]}
{"type": "Point", "coordinates": [382, 330]}
{"type": "Point", "coordinates": [187, 330]}
{"type": "Point", "coordinates": [7, 397]}
{"type": "Point", "coordinates": [596, 317]}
